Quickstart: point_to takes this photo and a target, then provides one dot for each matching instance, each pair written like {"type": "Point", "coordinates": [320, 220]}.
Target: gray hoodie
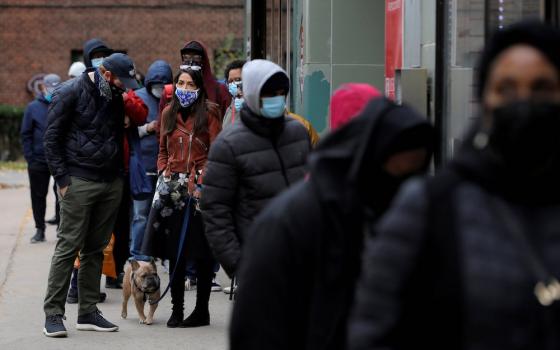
{"type": "Point", "coordinates": [254, 75]}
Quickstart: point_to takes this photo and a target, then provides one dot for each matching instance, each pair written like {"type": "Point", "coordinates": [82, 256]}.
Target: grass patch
{"type": "Point", "coordinates": [10, 165]}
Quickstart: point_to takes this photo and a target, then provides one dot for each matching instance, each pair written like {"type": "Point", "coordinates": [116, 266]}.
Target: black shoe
{"type": "Point", "coordinates": [94, 321]}
{"type": "Point", "coordinates": [196, 319]}
{"type": "Point", "coordinates": [175, 320]}
{"type": "Point", "coordinates": [53, 221]}
{"type": "Point", "coordinates": [39, 236]}
{"type": "Point", "coordinates": [72, 297]}
{"type": "Point", "coordinates": [54, 327]}
{"type": "Point", "coordinates": [102, 297]}
{"type": "Point", "coordinates": [114, 283]}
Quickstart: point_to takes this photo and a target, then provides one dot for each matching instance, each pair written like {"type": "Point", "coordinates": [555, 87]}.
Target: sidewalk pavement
{"type": "Point", "coordinates": [23, 278]}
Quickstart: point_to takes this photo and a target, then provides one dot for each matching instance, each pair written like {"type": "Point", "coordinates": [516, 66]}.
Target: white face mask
{"type": "Point", "coordinates": [157, 90]}
{"type": "Point", "coordinates": [96, 62]}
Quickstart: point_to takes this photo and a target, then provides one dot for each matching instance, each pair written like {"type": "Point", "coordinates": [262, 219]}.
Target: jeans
{"type": "Point", "coordinates": [140, 213]}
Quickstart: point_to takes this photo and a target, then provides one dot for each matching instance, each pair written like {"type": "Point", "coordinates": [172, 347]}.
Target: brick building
{"type": "Point", "coordinates": [41, 36]}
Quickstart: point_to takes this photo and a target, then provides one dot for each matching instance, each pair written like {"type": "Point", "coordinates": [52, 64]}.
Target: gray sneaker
{"type": "Point", "coordinates": [94, 321]}
{"type": "Point", "coordinates": [39, 236]}
{"type": "Point", "coordinates": [54, 327]}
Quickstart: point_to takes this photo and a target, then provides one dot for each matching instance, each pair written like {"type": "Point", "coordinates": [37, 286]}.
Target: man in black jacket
{"type": "Point", "coordinates": [32, 133]}
{"type": "Point", "coordinates": [83, 146]}
{"type": "Point", "coordinates": [250, 162]}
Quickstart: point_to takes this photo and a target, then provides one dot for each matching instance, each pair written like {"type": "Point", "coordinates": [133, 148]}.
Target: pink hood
{"type": "Point", "coordinates": [348, 101]}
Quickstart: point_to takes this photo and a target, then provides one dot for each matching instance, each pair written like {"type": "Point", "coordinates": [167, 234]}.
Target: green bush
{"type": "Point", "coordinates": [229, 50]}
{"type": "Point", "coordinates": [10, 124]}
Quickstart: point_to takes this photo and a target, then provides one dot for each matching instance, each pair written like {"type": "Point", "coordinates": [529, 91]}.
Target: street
{"type": "Point", "coordinates": [23, 279]}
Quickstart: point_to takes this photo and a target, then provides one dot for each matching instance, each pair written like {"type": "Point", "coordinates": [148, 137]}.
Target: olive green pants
{"type": "Point", "coordinates": [88, 212]}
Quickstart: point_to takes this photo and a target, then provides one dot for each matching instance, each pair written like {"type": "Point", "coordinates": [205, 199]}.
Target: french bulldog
{"type": "Point", "coordinates": [142, 282]}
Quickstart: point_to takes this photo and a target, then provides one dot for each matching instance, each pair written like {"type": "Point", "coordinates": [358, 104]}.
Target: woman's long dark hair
{"type": "Point", "coordinates": [198, 109]}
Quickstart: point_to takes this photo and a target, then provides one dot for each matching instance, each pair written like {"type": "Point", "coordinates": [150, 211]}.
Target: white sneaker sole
{"type": "Point", "coordinates": [92, 327]}
{"type": "Point", "coordinates": [60, 334]}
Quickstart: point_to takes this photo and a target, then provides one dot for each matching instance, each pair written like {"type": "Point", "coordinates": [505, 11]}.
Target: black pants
{"type": "Point", "coordinates": [203, 263]}
{"type": "Point", "coordinates": [121, 251]}
{"type": "Point", "coordinates": [39, 178]}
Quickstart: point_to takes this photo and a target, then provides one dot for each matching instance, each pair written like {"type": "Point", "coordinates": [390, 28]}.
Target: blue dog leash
{"type": "Point", "coordinates": [182, 240]}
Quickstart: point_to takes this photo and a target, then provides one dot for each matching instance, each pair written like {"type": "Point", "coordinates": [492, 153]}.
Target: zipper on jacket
{"type": "Point", "coordinates": [282, 167]}
{"type": "Point", "coordinates": [181, 145]}
{"type": "Point", "coordinates": [189, 155]}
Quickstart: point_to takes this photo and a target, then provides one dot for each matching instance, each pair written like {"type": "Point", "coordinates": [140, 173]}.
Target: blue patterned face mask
{"type": "Point", "coordinates": [239, 103]}
{"type": "Point", "coordinates": [273, 107]}
{"type": "Point", "coordinates": [186, 97]}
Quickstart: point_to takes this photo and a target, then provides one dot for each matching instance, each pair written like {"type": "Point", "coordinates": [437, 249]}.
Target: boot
{"type": "Point", "coordinates": [197, 319]}
{"type": "Point", "coordinates": [176, 319]}
{"type": "Point", "coordinates": [39, 236]}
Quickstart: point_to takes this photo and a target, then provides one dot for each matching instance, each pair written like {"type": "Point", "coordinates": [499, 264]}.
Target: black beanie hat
{"type": "Point", "coordinates": [534, 33]}
{"type": "Point", "coordinates": [193, 46]}
{"type": "Point", "coordinates": [278, 81]}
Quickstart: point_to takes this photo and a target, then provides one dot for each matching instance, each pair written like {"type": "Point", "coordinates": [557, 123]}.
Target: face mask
{"type": "Point", "coordinates": [525, 135]}
{"type": "Point", "coordinates": [157, 90]}
{"type": "Point", "coordinates": [96, 62]}
{"type": "Point", "coordinates": [273, 107]}
{"type": "Point", "coordinates": [234, 88]}
{"type": "Point", "coordinates": [103, 86]}
{"type": "Point", "coordinates": [186, 97]}
{"type": "Point", "coordinates": [48, 97]}
{"type": "Point", "coordinates": [238, 103]}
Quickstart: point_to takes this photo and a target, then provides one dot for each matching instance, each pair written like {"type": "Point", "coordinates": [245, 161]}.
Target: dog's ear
{"type": "Point", "coordinates": [135, 265]}
{"type": "Point", "coordinates": [153, 263]}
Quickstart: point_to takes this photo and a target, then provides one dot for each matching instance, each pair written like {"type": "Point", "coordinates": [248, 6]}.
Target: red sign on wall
{"type": "Point", "coordinates": [393, 43]}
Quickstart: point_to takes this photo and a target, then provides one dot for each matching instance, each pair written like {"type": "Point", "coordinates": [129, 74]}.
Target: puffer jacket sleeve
{"type": "Point", "coordinates": [59, 119]}
{"type": "Point", "coordinates": [218, 203]}
{"type": "Point", "coordinates": [388, 263]}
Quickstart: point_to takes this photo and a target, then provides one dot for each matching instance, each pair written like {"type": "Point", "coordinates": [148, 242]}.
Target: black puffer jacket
{"type": "Point", "coordinates": [84, 133]}
{"type": "Point", "coordinates": [248, 164]}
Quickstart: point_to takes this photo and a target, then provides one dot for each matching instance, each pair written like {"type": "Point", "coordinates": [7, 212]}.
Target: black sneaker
{"type": "Point", "coordinates": [94, 321]}
{"type": "Point", "coordinates": [53, 221]}
{"type": "Point", "coordinates": [39, 236]}
{"type": "Point", "coordinates": [54, 327]}
{"type": "Point", "coordinates": [72, 297]}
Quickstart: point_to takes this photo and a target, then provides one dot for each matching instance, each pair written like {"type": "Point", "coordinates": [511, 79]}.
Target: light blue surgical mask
{"type": "Point", "coordinates": [238, 103]}
{"type": "Point", "coordinates": [273, 107]}
{"type": "Point", "coordinates": [48, 97]}
{"type": "Point", "coordinates": [233, 88]}
{"type": "Point", "coordinates": [96, 62]}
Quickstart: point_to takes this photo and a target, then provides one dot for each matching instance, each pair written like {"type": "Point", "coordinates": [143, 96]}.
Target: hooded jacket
{"type": "Point", "coordinates": [311, 236]}
{"type": "Point", "coordinates": [248, 164]}
{"type": "Point", "coordinates": [215, 91]}
{"type": "Point", "coordinates": [159, 72]}
{"type": "Point", "coordinates": [32, 132]}
{"type": "Point", "coordinates": [93, 45]}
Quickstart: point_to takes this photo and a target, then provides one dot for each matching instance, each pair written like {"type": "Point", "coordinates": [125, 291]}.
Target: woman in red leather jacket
{"type": "Point", "coordinates": [189, 125]}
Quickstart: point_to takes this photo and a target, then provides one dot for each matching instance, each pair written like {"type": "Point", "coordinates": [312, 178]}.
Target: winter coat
{"type": "Point", "coordinates": [249, 163]}
{"type": "Point", "coordinates": [158, 73]}
{"type": "Point", "coordinates": [306, 245]}
{"type": "Point", "coordinates": [183, 151]}
{"type": "Point", "coordinates": [445, 271]}
{"type": "Point", "coordinates": [84, 135]}
{"type": "Point", "coordinates": [32, 132]}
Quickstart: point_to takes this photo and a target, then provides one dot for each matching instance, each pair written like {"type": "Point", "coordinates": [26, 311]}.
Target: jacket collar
{"type": "Point", "coordinates": [269, 128]}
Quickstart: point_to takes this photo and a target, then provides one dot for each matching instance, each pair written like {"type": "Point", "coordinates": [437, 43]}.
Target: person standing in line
{"type": "Point", "coordinates": [32, 136]}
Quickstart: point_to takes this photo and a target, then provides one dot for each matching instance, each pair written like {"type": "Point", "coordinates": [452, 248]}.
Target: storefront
{"type": "Point", "coordinates": [422, 52]}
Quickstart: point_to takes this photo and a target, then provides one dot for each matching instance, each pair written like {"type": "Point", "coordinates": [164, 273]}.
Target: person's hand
{"type": "Point", "coordinates": [126, 122]}
{"type": "Point", "coordinates": [151, 127]}
{"type": "Point", "coordinates": [63, 190]}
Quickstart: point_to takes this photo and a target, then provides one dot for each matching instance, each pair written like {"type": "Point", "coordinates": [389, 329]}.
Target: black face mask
{"type": "Point", "coordinates": [117, 91]}
{"type": "Point", "coordinates": [526, 135]}
{"type": "Point", "coordinates": [383, 191]}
